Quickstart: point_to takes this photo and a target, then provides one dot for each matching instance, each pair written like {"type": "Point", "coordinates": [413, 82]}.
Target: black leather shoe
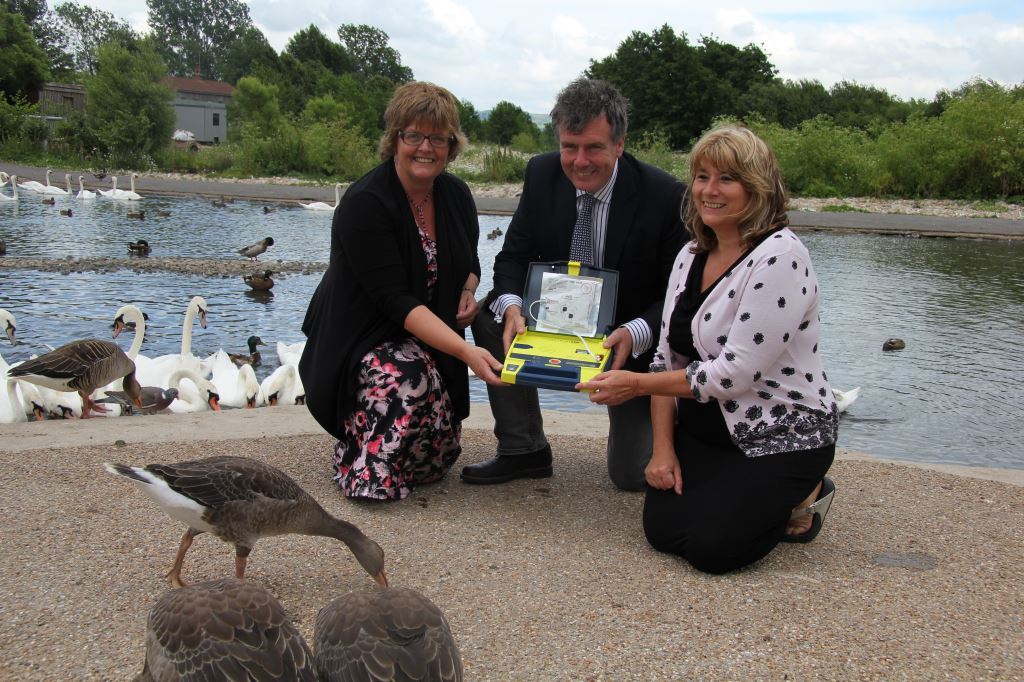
{"type": "Point", "coordinates": [503, 468]}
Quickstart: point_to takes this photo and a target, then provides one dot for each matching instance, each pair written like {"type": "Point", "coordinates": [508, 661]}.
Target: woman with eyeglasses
{"type": "Point", "coordinates": [385, 361]}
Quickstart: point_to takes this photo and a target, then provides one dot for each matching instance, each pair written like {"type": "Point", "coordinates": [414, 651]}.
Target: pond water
{"type": "Point", "coordinates": [954, 395]}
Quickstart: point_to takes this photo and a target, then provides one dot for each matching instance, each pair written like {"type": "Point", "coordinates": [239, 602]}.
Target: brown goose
{"type": "Point", "coordinates": [254, 250]}
{"type": "Point", "coordinates": [393, 634]}
{"type": "Point", "coordinates": [82, 366]}
{"type": "Point", "coordinates": [241, 500]}
{"type": "Point", "coordinates": [224, 629]}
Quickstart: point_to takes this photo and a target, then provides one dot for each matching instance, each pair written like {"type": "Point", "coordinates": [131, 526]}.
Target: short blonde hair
{"type": "Point", "coordinates": [421, 102]}
{"type": "Point", "coordinates": [750, 160]}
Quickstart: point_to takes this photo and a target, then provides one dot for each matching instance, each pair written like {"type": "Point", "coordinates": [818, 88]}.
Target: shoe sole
{"type": "Point", "coordinates": [542, 472]}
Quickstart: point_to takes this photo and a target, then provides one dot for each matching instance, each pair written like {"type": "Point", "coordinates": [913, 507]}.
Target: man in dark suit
{"type": "Point", "coordinates": [633, 211]}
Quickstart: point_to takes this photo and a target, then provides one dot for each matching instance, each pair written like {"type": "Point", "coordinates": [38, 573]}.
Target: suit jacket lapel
{"type": "Point", "coordinates": [565, 213]}
{"type": "Point", "coordinates": [620, 216]}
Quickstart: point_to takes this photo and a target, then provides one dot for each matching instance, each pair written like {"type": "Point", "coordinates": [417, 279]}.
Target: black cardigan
{"type": "Point", "coordinates": [377, 275]}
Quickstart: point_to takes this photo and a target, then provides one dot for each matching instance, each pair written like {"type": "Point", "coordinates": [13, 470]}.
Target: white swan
{"type": "Point", "coordinates": [236, 386]}
{"type": "Point", "coordinates": [845, 398]}
{"type": "Point", "coordinates": [195, 394]}
{"type": "Point", "coordinates": [290, 353]}
{"type": "Point", "coordinates": [112, 192]}
{"type": "Point", "coordinates": [323, 206]}
{"type": "Point", "coordinates": [54, 190]}
{"type": "Point", "coordinates": [127, 195]}
{"type": "Point", "coordinates": [165, 365]}
{"type": "Point", "coordinates": [83, 193]}
{"type": "Point", "coordinates": [284, 387]}
{"type": "Point", "coordinates": [33, 186]}
{"type": "Point", "coordinates": [10, 326]}
{"type": "Point", "coordinates": [145, 372]}
{"type": "Point", "coordinates": [14, 190]}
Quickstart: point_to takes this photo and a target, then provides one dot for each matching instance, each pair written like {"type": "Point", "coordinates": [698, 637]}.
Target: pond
{"type": "Point", "coordinates": [953, 395]}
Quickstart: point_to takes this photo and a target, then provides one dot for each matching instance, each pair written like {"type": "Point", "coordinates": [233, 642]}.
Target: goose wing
{"type": "Point", "coordinates": [83, 365]}
{"type": "Point", "coordinates": [215, 481]}
{"type": "Point", "coordinates": [224, 630]}
{"type": "Point", "coordinates": [394, 634]}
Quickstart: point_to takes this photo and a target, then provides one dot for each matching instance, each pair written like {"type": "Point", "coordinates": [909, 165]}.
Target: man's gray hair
{"type": "Point", "coordinates": [585, 99]}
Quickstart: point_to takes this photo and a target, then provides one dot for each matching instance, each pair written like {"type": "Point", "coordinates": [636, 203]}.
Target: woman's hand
{"type": "Point", "coordinates": [468, 308]}
{"type": "Point", "coordinates": [663, 470]}
{"type": "Point", "coordinates": [612, 388]}
{"type": "Point", "coordinates": [484, 365]}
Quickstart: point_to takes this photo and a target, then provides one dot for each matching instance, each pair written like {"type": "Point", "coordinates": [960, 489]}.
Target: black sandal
{"type": "Point", "coordinates": [819, 509]}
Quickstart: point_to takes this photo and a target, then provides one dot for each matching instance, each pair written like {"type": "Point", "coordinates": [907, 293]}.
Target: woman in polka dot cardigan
{"type": "Point", "coordinates": [743, 417]}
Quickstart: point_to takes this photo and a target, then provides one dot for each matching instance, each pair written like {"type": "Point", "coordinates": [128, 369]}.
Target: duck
{"type": "Point", "coordinates": [198, 394]}
{"type": "Point", "coordinates": [162, 213]}
{"type": "Point", "coordinates": [217, 203]}
{"type": "Point", "coordinates": [226, 629]}
{"type": "Point", "coordinates": [253, 357]}
{"type": "Point", "coordinates": [165, 365]}
{"type": "Point", "coordinates": [259, 282]}
{"type": "Point", "coordinates": [393, 634]}
{"type": "Point", "coordinates": [49, 201]}
{"type": "Point", "coordinates": [322, 205]}
{"type": "Point", "coordinates": [140, 247]}
{"type": "Point", "coordinates": [153, 399]}
{"type": "Point", "coordinates": [14, 190]}
{"type": "Point", "coordinates": [267, 209]}
{"type": "Point", "coordinates": [66, 212]}
{"type": "Point", "coordinates": [9, 323]}
{"type": "Point", "coordinates": [284, 386]}
{"type": "Point", "coordinates": [83, 366]}
{"type": "Point", "coordinates": [83, 193]}
{"type": "Point", "coordinates": [126, 194]}
{"type": "Point", "coordinates": [894, 344]}
{"type": "Point", "coordinates": [254, 250]}
{"type": "Point", "coordinates": [3, 248]}
{"type": "Point", "coordinates": [236, 386]}
{"type": "Point", "coordinates": [845, 398]}
{"type": "Point", "coordinates": [241, 500]}
{"type": "Point", "coordinates": [136, 215]}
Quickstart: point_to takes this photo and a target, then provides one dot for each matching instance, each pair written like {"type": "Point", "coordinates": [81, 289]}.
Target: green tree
{"type": "Point", "coordinates": [255, 104]}
{"type": "Point", "coordinates": [84, 29]}
{"type": "Point", "coordinates": [853, 105]}
{"type": "Point", "coordinates": [507, 120]}
{"type": "Point", "coordinates": [47, 34]}
{"type": "Point", "coordinates": [194, 36]}
{"type": "Point", "coordinates": [130, 111]}
{"type": "Point", "coordinates": [736, 70]}
{"type": "Point", "coordinates": [785, 102]}
{"type": "Point", "coordinates": [371, 55]}
{"type": "Point", "coordinates": [247, 55]}
{"type": "Point", "coordinates": [470, 121]}
{"type": "Point", "coordinates": [312, 46]}
{"type": "Point", "coordinates": [23, 67]}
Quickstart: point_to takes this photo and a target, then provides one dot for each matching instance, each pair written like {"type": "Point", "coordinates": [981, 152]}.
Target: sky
{"type": "Point", "coordinates": [526, 51]}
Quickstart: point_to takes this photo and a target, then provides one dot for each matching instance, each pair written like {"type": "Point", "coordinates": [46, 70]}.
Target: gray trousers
{"type": "Point", "coordinates": [519, 426]}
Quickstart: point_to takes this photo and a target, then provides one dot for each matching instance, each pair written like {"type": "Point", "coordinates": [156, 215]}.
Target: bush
{"type": "Point", "coordinates": [215, 159]}
{"type": "Point", "coordinates": [504, 166]}
{"type": "Point", "coordinates": [22, 131]}
{"type": "Point", "coordinates": [335, 149]}
{"type": "Point", "coordinates": [653, 148]}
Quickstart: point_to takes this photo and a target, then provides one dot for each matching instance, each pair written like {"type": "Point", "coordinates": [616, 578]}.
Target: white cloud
{"type": "Point", "coordinates": [458, 21]}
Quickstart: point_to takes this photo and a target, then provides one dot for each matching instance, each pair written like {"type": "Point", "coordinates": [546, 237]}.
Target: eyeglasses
{"type": "Point", "coordinates": [415, 139]}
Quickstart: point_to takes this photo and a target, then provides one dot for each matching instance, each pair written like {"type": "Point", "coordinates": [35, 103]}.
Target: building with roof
{"type": "Point", "coordinates": [200, 106]}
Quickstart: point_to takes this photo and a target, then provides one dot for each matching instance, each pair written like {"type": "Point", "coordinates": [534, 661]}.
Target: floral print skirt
{"type": "Point", "coordinates": [402, 432]}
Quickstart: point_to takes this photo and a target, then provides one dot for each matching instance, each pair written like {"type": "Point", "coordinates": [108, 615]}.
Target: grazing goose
{"type": "Point", "coordinates": [393, 634]}
{"type": "Point", "coordinates": [258, 281]}
{"type": "Point", "coordinates": [224, 629]}
{"type": "Point", "coordinates": [139, 248]}
{"type": "Point", "coordinates": [236, 386]}
{"type": "Point", "coordinates": [254, 250]}
{"type": "Point", "coordinates": [195, 395]}
{"type": "Point", "coordinates": [10, 327]}
{"type": "Point", "coordinates": [845, 398]}
{"type": "Point", "coordinates": [241, 500]}
{"type": "Point", "coordinates": [83, 193]}
{"type": "Point", "coordinates": [82, 366]}
{"type": "Point", "coordinates": [324, 206]}
{"type": "Point", "coordinates": [284, 387]}
{"type": "Point", "coordinates": [153, 399]}
{"type": "Point", "coordinates": [253, 357]}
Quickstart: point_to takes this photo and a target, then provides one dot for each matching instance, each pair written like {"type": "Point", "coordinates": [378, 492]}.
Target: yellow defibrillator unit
{"type": "Point", "coordinates": [569, 310]}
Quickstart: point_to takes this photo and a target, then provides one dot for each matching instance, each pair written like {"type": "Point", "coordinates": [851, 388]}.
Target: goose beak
{"type": "Point", "coordinates": [381, 579]}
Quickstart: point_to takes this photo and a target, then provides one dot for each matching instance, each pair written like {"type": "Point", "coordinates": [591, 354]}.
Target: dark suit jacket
{"type": "Point", "coordinates": [644, 235]}
{"type": "Point", "coordinates": [377, 275]}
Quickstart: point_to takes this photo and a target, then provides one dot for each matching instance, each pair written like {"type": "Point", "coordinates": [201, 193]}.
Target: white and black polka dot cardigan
{"type": "Point", "coordinates": [757, 335]}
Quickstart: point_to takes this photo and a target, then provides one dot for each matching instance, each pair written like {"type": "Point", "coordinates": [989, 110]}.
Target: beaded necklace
{"type": "Point", "coordinates": [421, 219]}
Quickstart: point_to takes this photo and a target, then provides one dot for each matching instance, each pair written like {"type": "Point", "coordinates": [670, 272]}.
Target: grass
{"type": "Point", "coordinates": [842, 208]}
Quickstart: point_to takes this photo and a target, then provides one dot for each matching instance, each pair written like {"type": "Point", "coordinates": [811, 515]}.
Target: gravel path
{"type": "Point", "coordinates": [915, 576]}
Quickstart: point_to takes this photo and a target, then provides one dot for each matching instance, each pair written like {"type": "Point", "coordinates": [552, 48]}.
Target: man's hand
{"type": "Point", "coordinates": [621, 343]}
{"type": "Point", "coordinates": [468, 308]}
{"type": "Point", "coordinates": [515, 324]}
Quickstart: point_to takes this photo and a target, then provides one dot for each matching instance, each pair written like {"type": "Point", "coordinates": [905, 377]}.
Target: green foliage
{"type": "Point", "coordinates": [129, 109]}
{"type": "Point", "coordinates": [787, 103]}
{"type": "Point", "coordinates": [653, 148]}
{"type": "Point", "coordinates": [216, 159]}
{"type": "Point", "coordinates": [370, 53]}
{"type": "Point", "coordinates": [84, 29]}
{"type": "Point", "coordinates": [247, 56]}
{"type": "Point", "coordinates": [195, 35]}
{"type": "Point", "coordinates": [502, 165]}
{"type": "Point", "coordinates": [336, 150]}
{"type": "Point", "coordinates": [278, 153]}
{"type": "Point", "coordinates": [842, 208]}
{"type": "Point", "coordinates": [527, 143]}
{"type": "Point", "coordinates": [23, 66]}
{"type": "Point", "coordinates": [21, 130]}
{"type": "Point", "coordinates": [469, 121]}
{"type": "Point", "coordinates": [310, 45]}
{"type": "Point", "coordinates": [505, 121]}
{"type": "Point", "coordinates": [255, 106]}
